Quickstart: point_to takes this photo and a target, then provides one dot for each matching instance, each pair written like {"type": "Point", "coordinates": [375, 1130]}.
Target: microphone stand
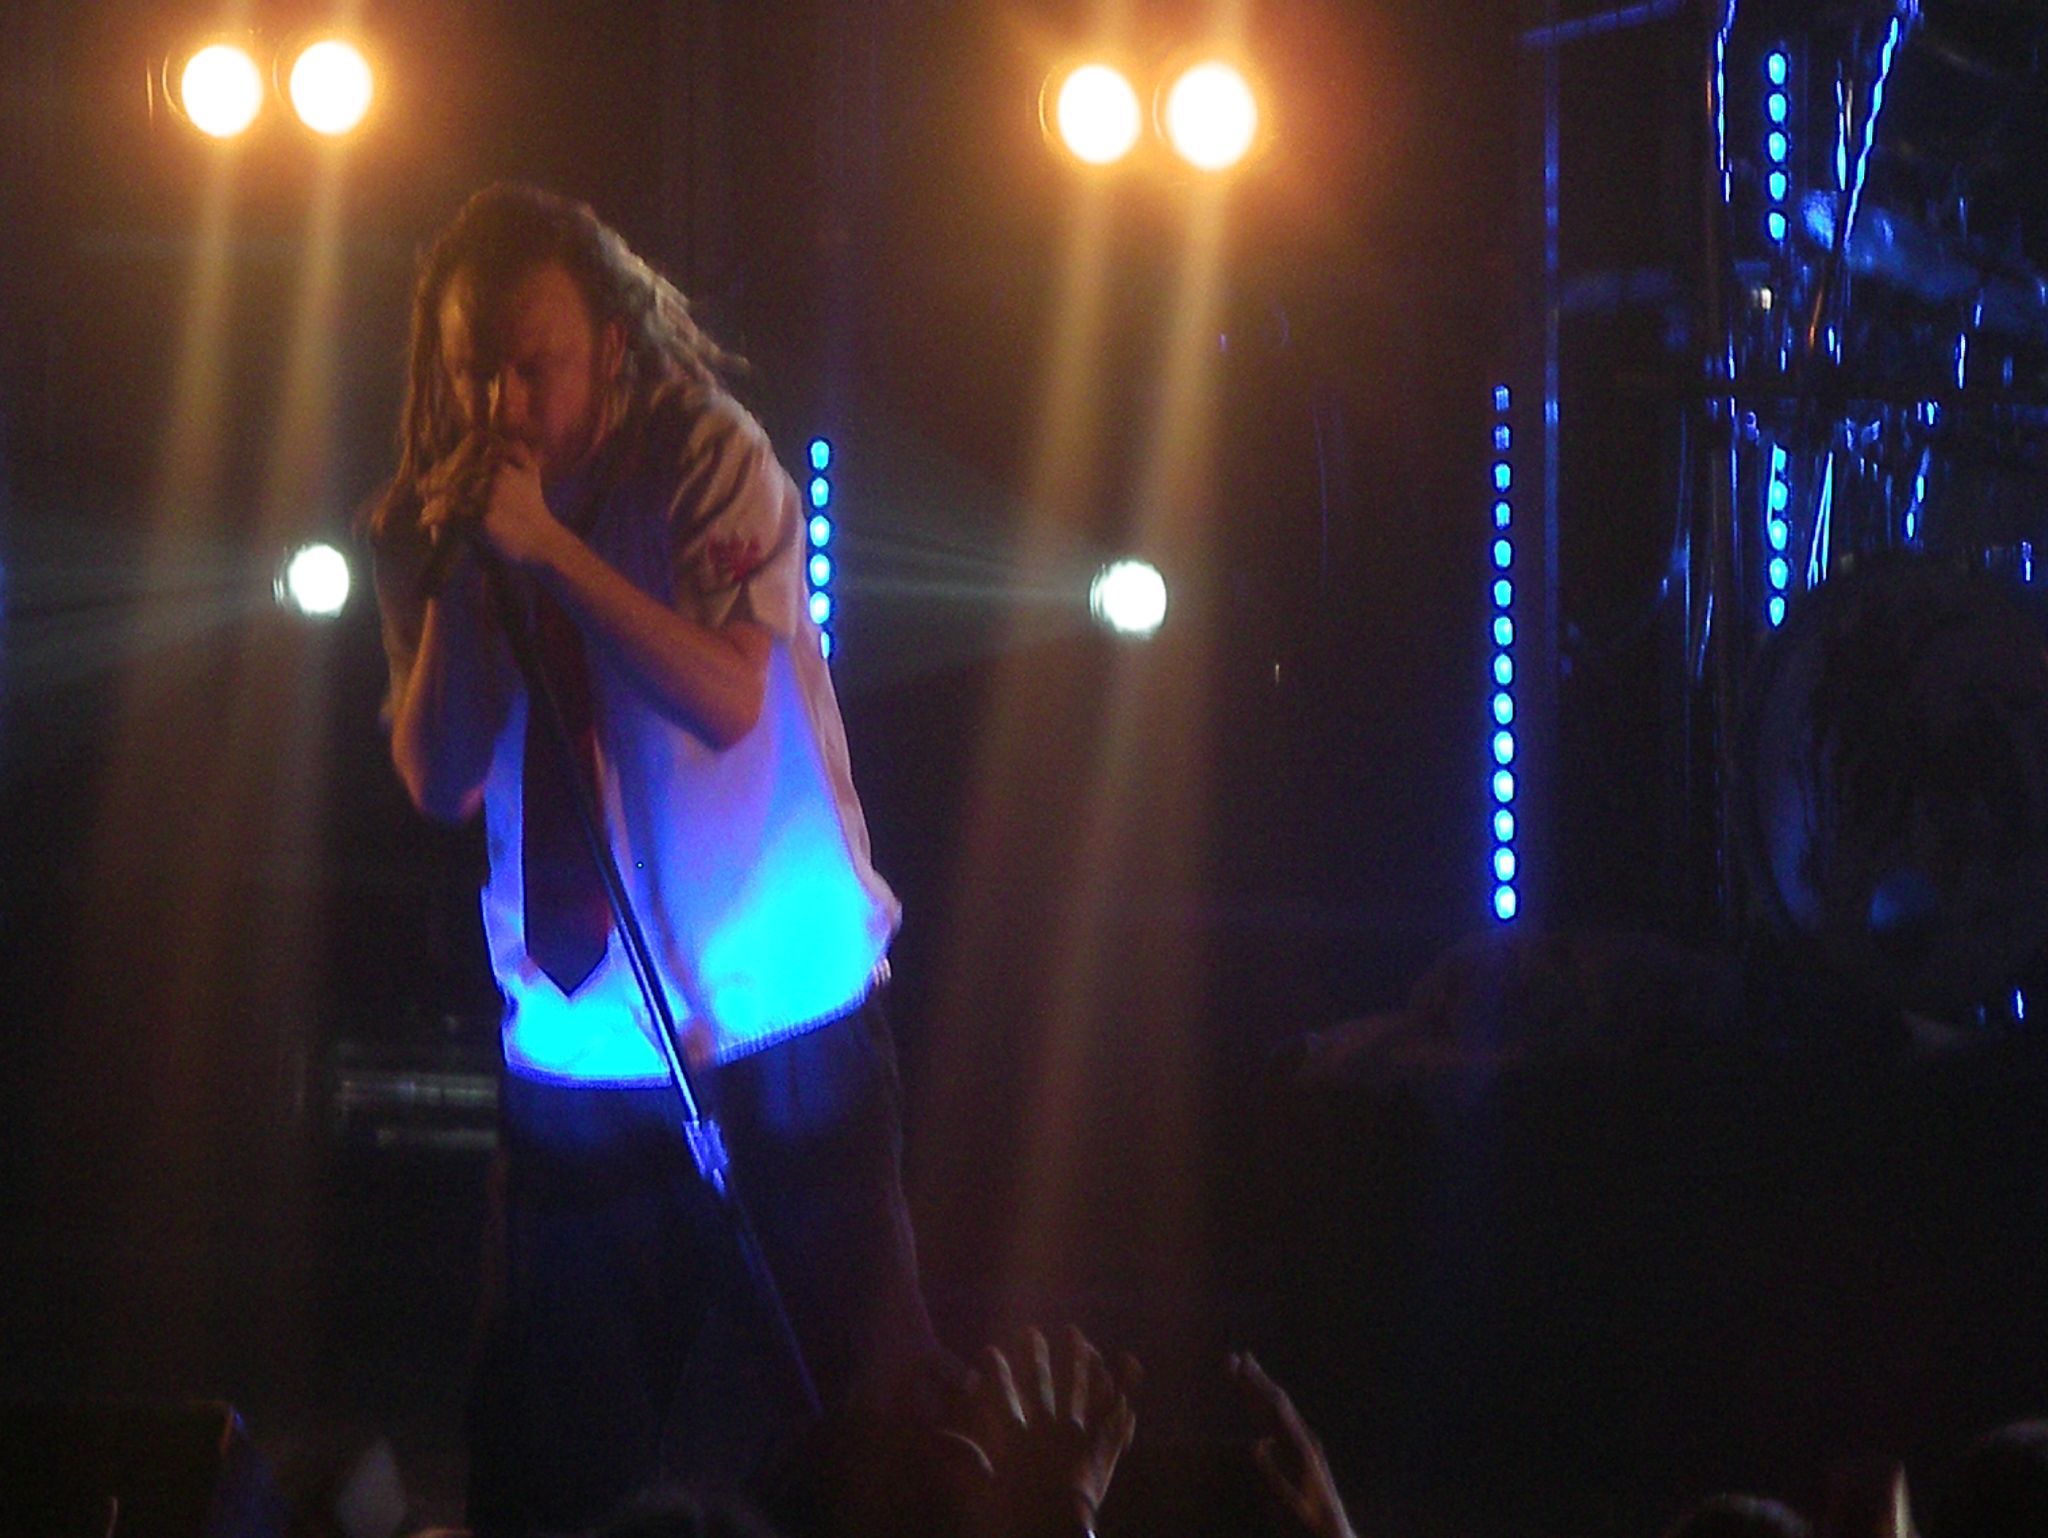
{"type": "Point", "coordinates": [700, 1130]}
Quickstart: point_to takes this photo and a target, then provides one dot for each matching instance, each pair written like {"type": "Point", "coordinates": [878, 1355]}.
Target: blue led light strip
{"type": "Point", "coordinates": [1777, 537]}
{"type": "Point", "coordinates": [1504, 861]}
{"type": "Point", "coordinates": [818, 563]}
{"type": "Point", "coordinates": [1777, 144]}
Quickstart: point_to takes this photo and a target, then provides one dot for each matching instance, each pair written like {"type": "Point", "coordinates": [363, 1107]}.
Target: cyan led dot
{"type": "Point", "coordinates": [1776, 66]}
{"type": "Point", "coordinates": [1504, 826]}
{"type": "Point", "coordinates": [1503, 865]}
{"type": "Point", "coordinates": [1503, 631]}
{"type": "Point", "coordinates": [1503, 554]}
{"type": "Point", "coordinates": [1503, 787]}
{"type": "Point", "coordinates": [1777, 610]}
{"type": "Point", "coordinates": [1503, 669]}
{"type": "Point", "coordinates": [1780, 185]}
{"type": "Point", "coordinates": [821, 531]}
{"type": "Point", "coordinates": [1504, 747]}
{"type": "Point", "coordinates": [821, 570]}
{"type": "Point", "coordinates": [1503, 708]}
{"type": "Point", "coordinates": [1779, 533]}
{"type": "Point", "coordinates": [1503, 439]}
{"type": "Point", "coordinates": [825, 644]}
{"type": "Point", "coordinates": [1780, 495]}
{"type": "Point", "coordinates": [1500, 397]}
{"type": "Point", "coordinates": [1503, 593]}
{"type": "Point", "coordinates": [821, 454]}
{"type": "Point", "coordinates": [1503, 477]}
{"type": "Point", "coordinates": [821, 607]}
{"type": "Point", "coordinates": [1776, 225]}
{"type": "Point", "coordinates": [1503, 515]}
{"type": "Point", "coordinates": [1776, 106]}
{"type": "Point", "coordinates": [1780, 147]}
{"type": "Point", "coordinates": [1781, 573]}
{"type": "Point", "coordinates": [1504, 903]}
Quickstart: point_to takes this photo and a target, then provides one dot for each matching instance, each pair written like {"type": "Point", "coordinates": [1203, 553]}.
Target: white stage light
{"type": "Point", "coordinates": [315, 581]}
{"type": "Point", "coordinates": [1129, 597]}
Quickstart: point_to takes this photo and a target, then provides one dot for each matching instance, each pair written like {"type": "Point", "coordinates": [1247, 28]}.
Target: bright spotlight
{"type": "Point", "coordinates": [1129, 597]}
{"type": "Point", "coordinates": [1096, 114]}
{"type": "Point", "coordinates": [221, 90]}
{"type": "Point", "coordinates": [315, 581]}
{"type": "Point", "coordinates": [1211, 117]}
{"type": "Point", "coordinates": [330, 86]}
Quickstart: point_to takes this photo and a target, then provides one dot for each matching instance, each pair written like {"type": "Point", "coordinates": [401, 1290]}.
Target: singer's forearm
{"type": "Point", "coordinates": [452, 706]}
{"type": "Point", "coordinates": [711, 681]}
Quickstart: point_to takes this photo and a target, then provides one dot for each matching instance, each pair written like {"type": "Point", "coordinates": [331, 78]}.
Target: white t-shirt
{"type": "Point", "coordinates": [749, 866]}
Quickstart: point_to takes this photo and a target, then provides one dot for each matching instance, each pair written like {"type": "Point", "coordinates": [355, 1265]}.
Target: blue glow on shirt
{"type": "Point", "coordinates": [821, 491]}
{"type": "Point", "coordinates": [821, 531]}
{"type": "Point", "coordinates": [821, 454]}
{"type": "Point", "coordinates": [1503, 787]}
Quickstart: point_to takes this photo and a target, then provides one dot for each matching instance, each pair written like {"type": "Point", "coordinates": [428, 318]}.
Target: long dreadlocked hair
{"type": "Point", "coordinates": [501, 234]}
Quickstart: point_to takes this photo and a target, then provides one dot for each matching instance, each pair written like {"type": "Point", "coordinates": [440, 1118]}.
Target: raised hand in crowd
{"type": "Point", "coordinates": [1288, 1454]}
{"type": "Point", "coordinates": [1042, 1446]}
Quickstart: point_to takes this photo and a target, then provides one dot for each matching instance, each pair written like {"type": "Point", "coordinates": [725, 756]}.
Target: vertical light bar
{"type": "Point", "coordinates": [1777, 143]}
{"type": "Point", "coordinates": [1501, 741]}
{"type": "Point", "coordinates": [1777, 536]}
{"type": "Point", "coordinates": [818, 561]}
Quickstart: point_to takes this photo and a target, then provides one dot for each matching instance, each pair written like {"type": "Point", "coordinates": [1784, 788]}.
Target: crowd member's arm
{"type": "Point", "coordinates": [712, 681]}
{"type": "Point", "coordinates": [1045, 1455]}
{"type": "Point", "coordinates": [1289, 1455]}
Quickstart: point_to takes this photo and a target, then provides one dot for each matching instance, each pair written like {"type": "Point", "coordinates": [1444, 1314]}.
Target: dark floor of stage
{"type": "Point", "coordinates": [1533, 1287]}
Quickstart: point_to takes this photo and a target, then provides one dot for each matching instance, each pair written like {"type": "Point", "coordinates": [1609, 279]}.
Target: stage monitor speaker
{"type": "Point", "coordinates": [133, 1470]}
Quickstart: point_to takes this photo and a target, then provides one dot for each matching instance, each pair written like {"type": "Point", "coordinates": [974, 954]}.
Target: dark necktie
{"type": "Point", "coordinates": [568, 918]}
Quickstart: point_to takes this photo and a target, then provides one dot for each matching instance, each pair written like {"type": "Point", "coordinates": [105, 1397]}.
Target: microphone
{"type": "Point", "coordinates": [453, 536]}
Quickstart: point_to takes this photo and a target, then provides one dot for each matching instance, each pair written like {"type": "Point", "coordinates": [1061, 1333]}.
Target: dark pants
{"type": "Point", "coordinates": [621, 1343]}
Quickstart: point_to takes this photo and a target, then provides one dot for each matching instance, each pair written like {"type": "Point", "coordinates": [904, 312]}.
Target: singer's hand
{"type": "Point", "coordinates": [516, 522]}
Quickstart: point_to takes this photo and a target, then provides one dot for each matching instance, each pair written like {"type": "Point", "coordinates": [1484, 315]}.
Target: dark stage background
{"type": "Point", "coordinates": [1134, 876]}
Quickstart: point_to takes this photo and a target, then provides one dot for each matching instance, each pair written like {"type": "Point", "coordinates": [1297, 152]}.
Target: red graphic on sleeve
{"type": "Point", "coordinates": [733, 558]}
